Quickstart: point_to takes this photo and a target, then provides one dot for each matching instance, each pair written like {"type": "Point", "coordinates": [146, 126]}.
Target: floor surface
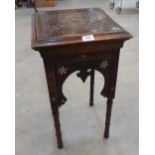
{"type": "Point", "coordinates": [82, 126]}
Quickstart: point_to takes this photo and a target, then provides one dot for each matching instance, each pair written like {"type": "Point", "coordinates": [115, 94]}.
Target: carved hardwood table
{"type": "Point", "coordinates": [79, 39]}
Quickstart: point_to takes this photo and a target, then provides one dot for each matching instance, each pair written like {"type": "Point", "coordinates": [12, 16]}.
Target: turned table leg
{"type": "Point", "coordinates": [108, 116]}
{"type": "Point", "coordinates": [92, 74]}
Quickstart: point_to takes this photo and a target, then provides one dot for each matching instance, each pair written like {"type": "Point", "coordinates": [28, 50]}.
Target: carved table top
{"type": "Point", "coordinates": [63, 27]}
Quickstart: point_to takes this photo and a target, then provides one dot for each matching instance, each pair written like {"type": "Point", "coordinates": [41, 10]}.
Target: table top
{"type": "Point", "coordinates": [65, 27]}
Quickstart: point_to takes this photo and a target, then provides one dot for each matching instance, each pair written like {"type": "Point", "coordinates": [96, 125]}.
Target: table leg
{"type": "Point", "coordinates": [55, 112]}
{"type": "Point", "coordinates": [111, 4]}
{"type": "Point", "coordinates": [53, 94]}
{"type": "Point", "coordinates": [34, 6]}
{"type": "Point", "coordinates": [92, 74]}
{"type": "Point", "coordinates": [119, 8]}
{"type": "Point", "coordinates": [108, 117]}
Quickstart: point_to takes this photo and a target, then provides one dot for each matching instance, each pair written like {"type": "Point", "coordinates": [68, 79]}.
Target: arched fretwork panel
{"type": "Point", "coordinates": [64, 70]}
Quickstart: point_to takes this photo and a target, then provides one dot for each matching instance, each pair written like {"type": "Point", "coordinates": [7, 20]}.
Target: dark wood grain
{"type": "Point", "coordinates": [92, 74]}
{"type": "Point", "coordinates": [57, 35]}
{"type": "Point", "coordinates": [68, 26]}
{"type": "Point", "coordinates": [108, 116]}
{"type": "Point", "coordinates": [74, 23]}
{"type": "Point", "coordinates": [53, 93]}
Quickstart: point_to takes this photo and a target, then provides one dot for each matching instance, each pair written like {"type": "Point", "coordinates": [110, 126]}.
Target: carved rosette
{"type": "Point", "coordinates": [104, 64]}
{"type": "Point", "coordinates": [62, 70]}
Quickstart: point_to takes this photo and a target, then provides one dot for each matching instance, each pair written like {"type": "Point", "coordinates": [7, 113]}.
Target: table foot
{"type": "Point", "coordinates": [111, 5]}
{"type": "Point", "coordinates": [137, 4]}
{"type": "Point", "coordinates": [118, 10]}
{"type": "Point", "coordinates": [60, 146]}
{"type": "Point", "coordinates": [108, 117]}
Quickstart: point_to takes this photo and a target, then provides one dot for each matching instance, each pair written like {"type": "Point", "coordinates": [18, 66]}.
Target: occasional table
{"type": "Point", "coordinates": [81, 40]}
